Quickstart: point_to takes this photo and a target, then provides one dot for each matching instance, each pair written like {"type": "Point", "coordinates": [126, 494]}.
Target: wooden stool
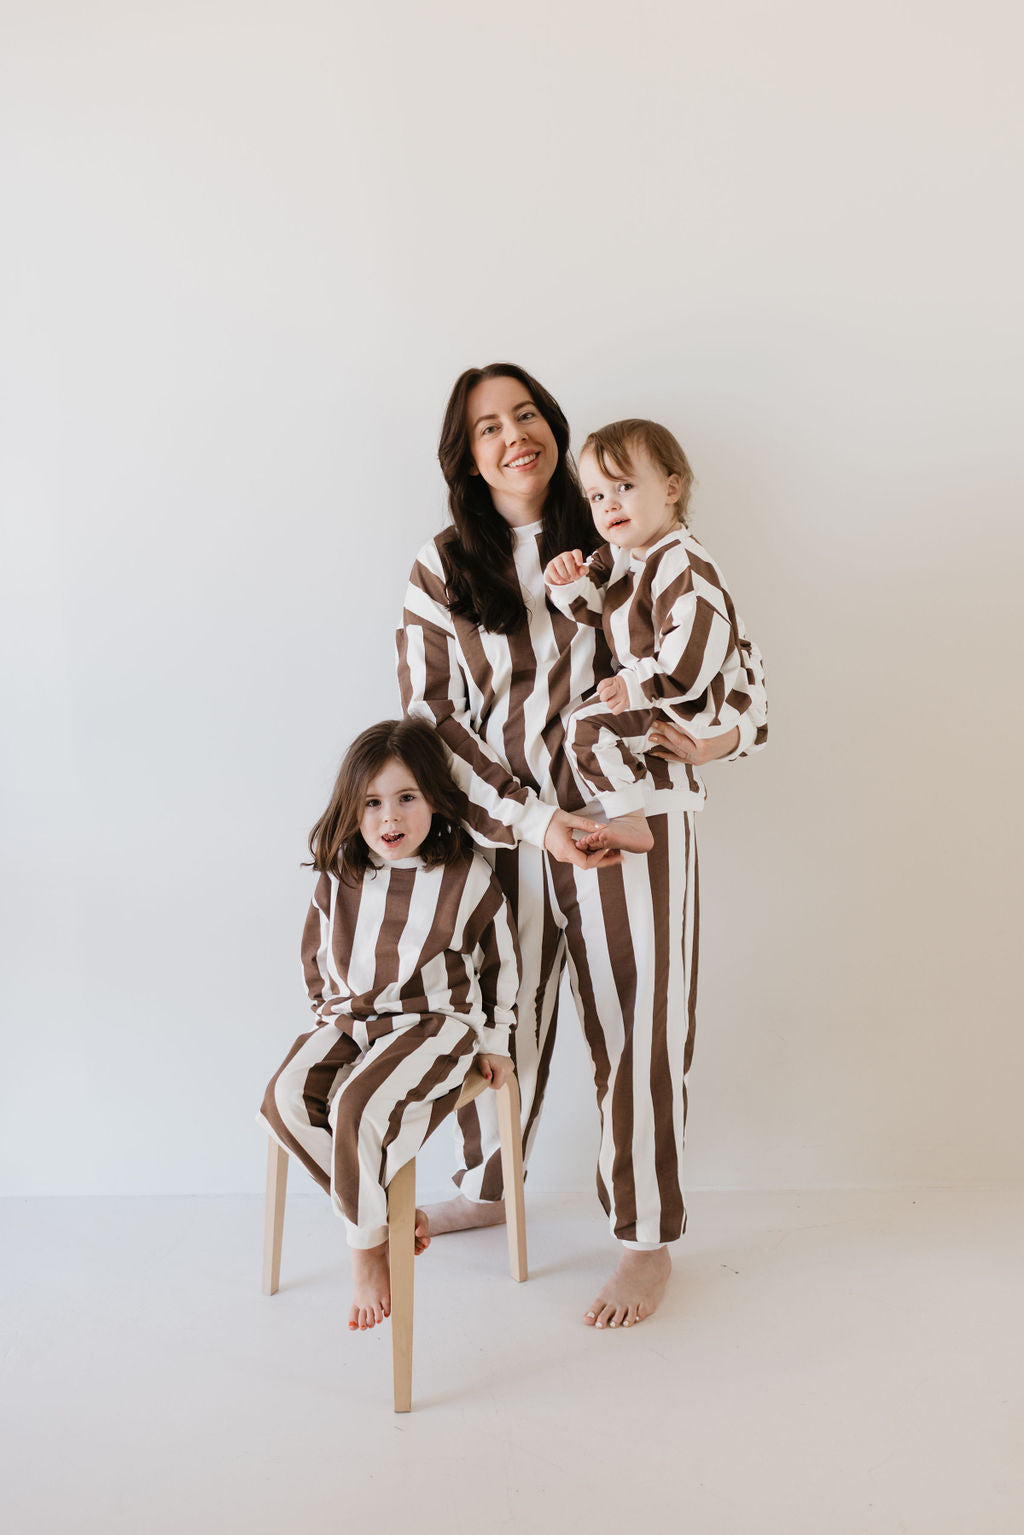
{"type": "Point", "coordinates": [401, 1224]}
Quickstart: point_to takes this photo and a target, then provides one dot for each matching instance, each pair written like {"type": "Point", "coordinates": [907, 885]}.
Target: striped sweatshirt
{"type": "Point", "coordinates": [409, 942]}
{"type": "Point", "coordinates": [500, 701]}
{"type": "Point", "coordinates": [672, 627]}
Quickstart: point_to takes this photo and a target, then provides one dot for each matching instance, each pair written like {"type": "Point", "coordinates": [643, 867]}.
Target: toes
{"type": "Point", "coordinates": [604, 1316]}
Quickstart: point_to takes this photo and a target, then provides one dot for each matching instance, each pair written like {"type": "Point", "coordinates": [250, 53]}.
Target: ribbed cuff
{"type": "Point", "coordinates": [533, 822]}
{"type": "Point", "coordinates": [494, 1039]}
{"type": "Point", "coordinates": [748, 734]}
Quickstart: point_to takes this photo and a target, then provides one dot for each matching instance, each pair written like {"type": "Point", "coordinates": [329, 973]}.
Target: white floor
{"type": "Point", "coordinates": [836, 1363]}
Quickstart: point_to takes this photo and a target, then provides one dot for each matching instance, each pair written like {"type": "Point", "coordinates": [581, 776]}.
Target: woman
{"type": "Point", "coordinates": [496, 669]}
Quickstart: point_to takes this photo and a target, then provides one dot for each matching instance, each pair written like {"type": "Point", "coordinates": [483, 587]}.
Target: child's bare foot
{"type": "Point", "coordinates": [631, 833]}
{"type": "Point", "coordinates": [462, 1214]}
{"type": "Point", "coordinates": [371, 1287]}
{"type": "Point", "coordinates": [421, 1231]}
{"type": "Point", "coordinates": [633, 1292]}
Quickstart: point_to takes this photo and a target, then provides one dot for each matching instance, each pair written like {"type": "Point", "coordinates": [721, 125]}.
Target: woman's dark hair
{"type": "Point", "coordinates": [479, 567]}
{"type": "Point", "coordinates": [336, 842]}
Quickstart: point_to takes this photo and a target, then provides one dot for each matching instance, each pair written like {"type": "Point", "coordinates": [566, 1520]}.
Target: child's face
{"type": "Point", "coordinates": [631, 511]}
{"type": "Point", "coordinates": [395, 816]}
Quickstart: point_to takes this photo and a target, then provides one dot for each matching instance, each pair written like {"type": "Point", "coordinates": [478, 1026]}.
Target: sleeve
{"type": "Point", "coordinates": [736, 699]}
{"type": "Point", "coordinates": [753, 721]}
{"type": "Point", "coordinates": [583, 599]}
{"type": "Point", "coordinates": [316, 941]}
{"type": "Point", "coordinates": [704, 667]}
{"type": "Point", "coordinates": [499, 968]}
{"type": "Point", "coordinates": [432, 682]}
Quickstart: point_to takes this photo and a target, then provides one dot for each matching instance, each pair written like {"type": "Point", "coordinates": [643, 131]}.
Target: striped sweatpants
{"type": "Point", "coordinates": [355, 1109]}
{"type": "Point", "coordinates": [629, 934]}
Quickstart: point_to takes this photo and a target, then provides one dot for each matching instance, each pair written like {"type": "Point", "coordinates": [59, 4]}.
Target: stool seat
{"type": "Point", "coordinates": [402, 1223]}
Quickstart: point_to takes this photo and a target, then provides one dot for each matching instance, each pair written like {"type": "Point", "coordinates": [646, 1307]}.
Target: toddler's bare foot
{"type": "Point", "coordinates": [631, 833]}
{"type": "Point", "coordinates": [633, 1292]}
{"type": "Point", "coordinates": [462, 1214]}
{"type": "Point", "coordinates": [371, 1287]}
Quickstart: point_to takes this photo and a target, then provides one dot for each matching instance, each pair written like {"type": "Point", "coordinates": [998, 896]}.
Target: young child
{"type": "Point", "coordinates": [680, 648]}
{"type": "Point", "coordinates": [412, 965]}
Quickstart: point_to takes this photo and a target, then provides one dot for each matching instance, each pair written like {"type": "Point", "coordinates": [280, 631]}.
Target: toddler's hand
{"type": "Point", "coordinates": [565, 568]}
{"type": "Point", "coordinates": [612, 691]}
{"type": "Point", "coordinates": [498, 1069]}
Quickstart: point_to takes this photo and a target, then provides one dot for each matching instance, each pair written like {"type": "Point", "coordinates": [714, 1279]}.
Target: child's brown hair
{"type": "Point", "coordinates": [336, 842]}
{"type": "Point", "coordinates": [613, 446]}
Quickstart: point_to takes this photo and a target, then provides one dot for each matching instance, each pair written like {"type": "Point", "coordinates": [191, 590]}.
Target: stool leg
{"type": "Point", "coordinates": [401, 1253]}
{"type": "Point", "coordinates": [510, 1130]}
{"type": "Point", "coordinates": [273, 1220]}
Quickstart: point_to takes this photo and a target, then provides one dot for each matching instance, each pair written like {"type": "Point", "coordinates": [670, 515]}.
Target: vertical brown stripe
{"type": "Point", "coordinates": [692, 952]}
{"type": "Point", "coordinates": [668, 1137]}
{"type": "Point", "coordinates": [348, 899]}
{"type": "Point", "coordinates": [397, 893]}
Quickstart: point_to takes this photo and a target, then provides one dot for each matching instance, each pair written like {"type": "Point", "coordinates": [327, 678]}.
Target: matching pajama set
{"type": "Point", "coordinates": [681, 651]}
{"type": "Point", "coordinates": [410, 974]}
{"type": "Point", "coordinates": [628, 933]}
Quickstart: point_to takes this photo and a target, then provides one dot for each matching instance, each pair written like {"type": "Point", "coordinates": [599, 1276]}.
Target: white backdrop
{"type": "Point", "coordinates": [249, 246]}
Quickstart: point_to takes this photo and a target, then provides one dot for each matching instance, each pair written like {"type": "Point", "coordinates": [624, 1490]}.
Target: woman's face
{"type": "Point", "coordinates": [513, 448]}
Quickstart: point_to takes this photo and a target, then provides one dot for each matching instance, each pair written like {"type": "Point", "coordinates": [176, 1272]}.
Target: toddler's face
{"type": "Point", "coordinates": [634, 510]}
{"type": "Point", "coordinates": [395, 816]}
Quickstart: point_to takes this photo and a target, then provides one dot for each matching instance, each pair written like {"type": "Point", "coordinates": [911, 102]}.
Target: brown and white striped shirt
{"type": "Point", "coordinates": [673, 629]}
{"type": "Point", "coordinates": [500, 701]}
{"type": "Point", "coordinates": [411, 941]}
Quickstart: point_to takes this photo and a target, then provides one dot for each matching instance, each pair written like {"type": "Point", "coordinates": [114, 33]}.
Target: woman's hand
{"type": "Point", "coordinates": [498, 1069]}
{"type": "Point", "coordinates": [565, 568]}
{"type": "Point", "coordinates": [559, 842]}
{"type": "Point", "coordinates": [675, 745]}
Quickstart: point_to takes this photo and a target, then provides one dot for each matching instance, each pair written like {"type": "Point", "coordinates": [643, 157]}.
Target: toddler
{"type": "Point", "coordinates": [680, 648]}
{"type": "Point", "coordinates": [412, 966]}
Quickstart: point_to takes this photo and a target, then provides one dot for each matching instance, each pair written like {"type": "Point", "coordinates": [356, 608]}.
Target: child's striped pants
{"type": "Point", "coordinates": [355, 1108]}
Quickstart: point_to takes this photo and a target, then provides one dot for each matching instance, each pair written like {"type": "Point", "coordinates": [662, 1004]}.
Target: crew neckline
{"type": "Point", "coordinates": [641, 555]}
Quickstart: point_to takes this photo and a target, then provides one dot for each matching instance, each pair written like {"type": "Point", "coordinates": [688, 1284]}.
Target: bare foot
{"type": "Point", "coordinates": [371, 1278]}
{"type": "Point", "coordinates": [630, 833]}
{"type": "Point", "coordinates": [371, 1287]}
{"type": "Point", "coordinates": [462, 1214]}
{"type": "Point", "coordinates": [633, 1292]}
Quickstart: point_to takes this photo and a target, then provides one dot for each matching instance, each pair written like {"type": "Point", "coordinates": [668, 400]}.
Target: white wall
{"type": "Point", "coordinates": [249, 247]}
